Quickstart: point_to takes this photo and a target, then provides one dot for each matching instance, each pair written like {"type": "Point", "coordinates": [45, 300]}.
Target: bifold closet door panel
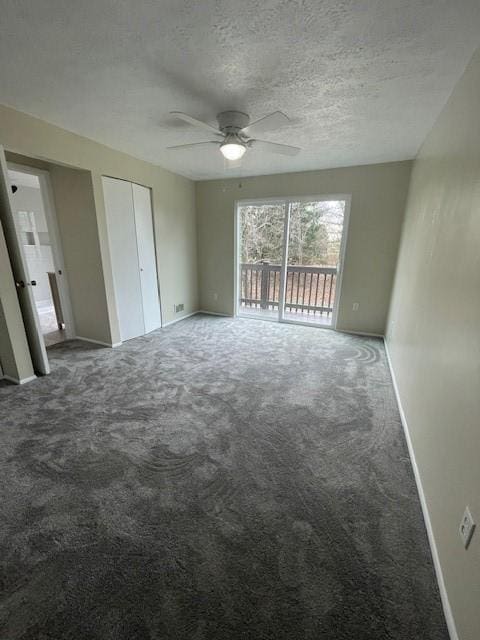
{"type": "Point", "coordinates": [123, 249]}
{"type": "Point", "coordinates": [142, 203]}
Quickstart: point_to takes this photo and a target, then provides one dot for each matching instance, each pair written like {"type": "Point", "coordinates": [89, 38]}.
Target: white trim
{"type": "Point", "coordinates": [188, 315]}
{"type": "Point", "coordinates": [308, 198]}
{"type": "Point", "coordinates": [284, 266]}
{"type": "Point", "coordinates": [447, 610]}
{"type": "Point", "coordinates": [236, 259]}
{"type": "Point", "coordinates": [215, 313]}
{"type": "Point", "coordinates": [287, 201]}
{"type": "Point", "coordinates": [341, 259]}
{"type": "Point", "coordinates": [103, 344]}
{"type": "Point", "coordinates": [17, 381]}
{"type": "Point", "coordinates": [367, 334]}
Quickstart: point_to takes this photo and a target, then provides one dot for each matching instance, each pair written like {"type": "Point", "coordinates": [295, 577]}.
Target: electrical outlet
{"type": "Point", "coordinates": [215, 296]}
{"type": "Point", "coordinates": [467, 527]}
{"type": "Point", "coordinates": [355, 306]}
{"type": "Point", "coordinates": [178, 308]}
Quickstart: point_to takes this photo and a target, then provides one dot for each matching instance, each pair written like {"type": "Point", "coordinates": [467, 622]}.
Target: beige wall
{"type": "Point", "coordinates": [434, 323]}
{"type": "Point", "coordinates": [85, 265]}
{"type": "Point", "coordinates": [174, 216]}
{"type": "Point", "coordinates": [434, 336]}
{"type": "Point", "coordinates": [378, 202]}
{"type": "Point", "coordinates": [77, 225]}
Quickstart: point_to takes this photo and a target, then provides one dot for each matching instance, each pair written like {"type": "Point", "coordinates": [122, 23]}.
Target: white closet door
{"type": "Point", "coordinates": [146, 257]}
{"type": "Point", "coordinates": [123, 249]}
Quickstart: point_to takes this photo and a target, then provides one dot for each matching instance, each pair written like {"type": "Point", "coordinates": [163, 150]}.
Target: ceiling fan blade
{"type": "Point", "coordinates": [196, 123]}
{"type": "Point", "coordinates": [274, 147]}
{"type": "Point", "coordinates": [273, 120]}
{"type": "Point", "coordinates": [192, 144]}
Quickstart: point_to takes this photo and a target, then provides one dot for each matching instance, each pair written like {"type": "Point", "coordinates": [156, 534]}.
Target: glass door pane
{"type": "Point", "coordinates": [313, 255]}
{"type": "Point", "coordinates": [261, 231]}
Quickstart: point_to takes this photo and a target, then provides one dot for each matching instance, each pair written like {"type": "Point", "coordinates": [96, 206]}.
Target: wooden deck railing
{"type": "Point", "coordinates": [308, 289]}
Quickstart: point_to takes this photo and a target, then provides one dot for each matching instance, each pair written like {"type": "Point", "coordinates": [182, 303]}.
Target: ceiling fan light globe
{"type": "Point", "coordinates": [232, 150]}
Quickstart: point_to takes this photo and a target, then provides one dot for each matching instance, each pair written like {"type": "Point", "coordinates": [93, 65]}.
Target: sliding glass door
{"type": "Point", "coordinates": [261, 229]}
{"type": "Point", "coordinates": [289, 259]}
{"type": "Point", "coordinates": [313, 259]}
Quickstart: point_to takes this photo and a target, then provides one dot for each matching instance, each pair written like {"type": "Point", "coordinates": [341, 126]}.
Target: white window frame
{"type": "Point", "coordinates": [287, 201]}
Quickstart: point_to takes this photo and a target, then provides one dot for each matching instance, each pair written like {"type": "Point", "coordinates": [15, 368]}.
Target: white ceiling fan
{"type": "Point", "coordinates": [235, 133]}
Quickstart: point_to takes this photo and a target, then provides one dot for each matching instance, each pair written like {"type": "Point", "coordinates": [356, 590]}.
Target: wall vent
{"type": "Point", "coordinates": [178, 308]}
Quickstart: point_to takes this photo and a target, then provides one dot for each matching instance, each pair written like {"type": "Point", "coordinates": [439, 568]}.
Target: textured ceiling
{"type": "Point", "coordinates": [362, 80]}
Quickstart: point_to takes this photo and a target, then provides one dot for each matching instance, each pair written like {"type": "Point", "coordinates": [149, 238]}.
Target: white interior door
{"type": "Point", "coordinates": [142, 203]}
{"type": "Point", "coordinates": [35, 216]}
{"type": "Point", "coordinates": [36, 343]}
{"type": "Point", "coordinates": [123, 250]}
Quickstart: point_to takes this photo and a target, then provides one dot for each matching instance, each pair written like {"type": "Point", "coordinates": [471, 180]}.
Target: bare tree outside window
{"type": "Point", "coordinates": [314, 239]}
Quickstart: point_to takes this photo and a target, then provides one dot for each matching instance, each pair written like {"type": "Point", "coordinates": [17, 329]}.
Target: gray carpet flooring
{"type": "Point", "coordinates": [219, 479]}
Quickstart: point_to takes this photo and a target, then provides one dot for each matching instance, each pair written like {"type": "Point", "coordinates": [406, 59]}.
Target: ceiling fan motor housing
{"type": "Point", "coordinates": [237, 133]}
{"type": "Point", "coordinates": [232, 121]}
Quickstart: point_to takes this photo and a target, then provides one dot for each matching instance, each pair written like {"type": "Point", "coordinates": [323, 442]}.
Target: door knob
{"type": "Point", "coordinates": [20, 284]}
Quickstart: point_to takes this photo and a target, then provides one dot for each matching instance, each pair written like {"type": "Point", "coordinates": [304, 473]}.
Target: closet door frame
{"type": "Point", "coordinates": [122, 242]}
{"type": "Point", "coordinates": [131, 183]}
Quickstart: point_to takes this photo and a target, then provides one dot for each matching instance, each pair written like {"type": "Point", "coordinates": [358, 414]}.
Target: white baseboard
{"type": "Point", "coordinates": [188, 315]}
{"type": "Point", "coordinates": [215, 313]}
{"type": "Point", "coordinates": [447, 610]}
{"type": "Point", "coordinates": [17, 381]}
{"type": "Point", "coordinates": [103, 344]}
{"type": "Point", "coordinates": [194, 313]}
{"type": "Point", "coordinates": [361, 333]}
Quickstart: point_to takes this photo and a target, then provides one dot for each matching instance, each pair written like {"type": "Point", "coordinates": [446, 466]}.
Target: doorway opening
{"type": "Point", "coordinates": [289, 258]}
{"type": "Point", "coordinates": [37, 231]}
